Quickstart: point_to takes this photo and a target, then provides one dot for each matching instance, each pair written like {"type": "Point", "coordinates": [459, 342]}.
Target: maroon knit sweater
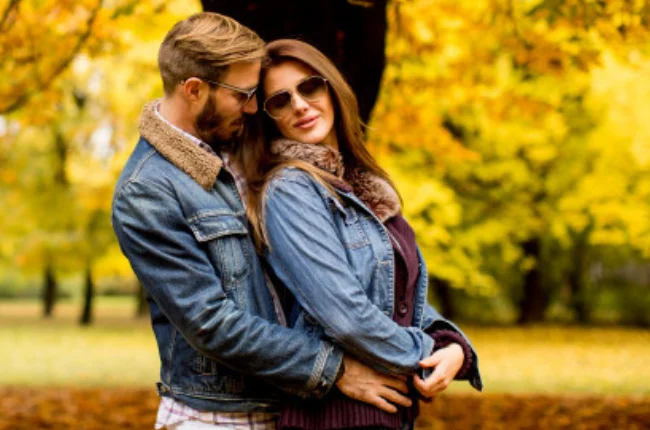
{"type": "Point", "coordinates": [337, 411]}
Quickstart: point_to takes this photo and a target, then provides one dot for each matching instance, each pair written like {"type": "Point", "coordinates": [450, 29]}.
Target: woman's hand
{"type": "Point", "coordinates": [446, 363]}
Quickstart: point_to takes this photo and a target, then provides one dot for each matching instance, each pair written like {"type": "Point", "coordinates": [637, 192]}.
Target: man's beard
{"type": "Point", "coordinates": [210, 127]}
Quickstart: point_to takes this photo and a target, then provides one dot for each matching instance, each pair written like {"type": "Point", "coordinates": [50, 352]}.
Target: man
{"type": "Point", "coordinates": [180, 221]}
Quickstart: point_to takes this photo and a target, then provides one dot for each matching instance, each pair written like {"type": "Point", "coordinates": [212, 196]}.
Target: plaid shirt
{"type": "Point", "coordinates": [172, 412]}
{"type": "Point", "coordinates": [237, 175]}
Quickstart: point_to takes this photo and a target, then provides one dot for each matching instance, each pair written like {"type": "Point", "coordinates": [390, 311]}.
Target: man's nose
{"type": "Point", "coordinates": [251, 107]}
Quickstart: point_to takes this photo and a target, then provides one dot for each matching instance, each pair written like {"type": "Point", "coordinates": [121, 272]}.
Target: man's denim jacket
{"type": "Point", "coordinates": [180, 222]}
{"type": "Point", "coordinates": [336, 257]}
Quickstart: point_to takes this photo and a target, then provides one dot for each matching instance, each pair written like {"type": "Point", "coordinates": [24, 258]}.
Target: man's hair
{"type": "Point", "coordinates": [203, 46]}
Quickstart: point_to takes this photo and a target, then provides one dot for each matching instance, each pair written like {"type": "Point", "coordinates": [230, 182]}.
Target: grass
{"type": "Point", "coordinates": [120, 351]}
{"type": "Point", "coordinates": [563, 360]}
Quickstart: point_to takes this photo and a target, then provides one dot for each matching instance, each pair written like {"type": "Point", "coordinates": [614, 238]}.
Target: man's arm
{"type": "Point", "coordinates": [367, 385]}
{"type": "Point", "coordinates": [155, 237]}
{"type": "Point", "coordinates": [179, 277]}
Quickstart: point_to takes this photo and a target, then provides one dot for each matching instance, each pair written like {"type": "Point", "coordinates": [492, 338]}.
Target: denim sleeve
{"type": "Point", "coordinates": [307, 255]}
{"type": "Point", "coordinates": [154, 235]}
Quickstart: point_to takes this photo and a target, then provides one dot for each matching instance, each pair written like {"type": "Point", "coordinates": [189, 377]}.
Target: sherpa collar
{"type": "Point", "coordinates": [199, 164]}
{"type": "Point", "coordinates": [372, 190]}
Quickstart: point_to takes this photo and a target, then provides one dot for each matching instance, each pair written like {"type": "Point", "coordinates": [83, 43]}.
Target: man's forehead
{"type": "Point", "coordinates": [243, 74]}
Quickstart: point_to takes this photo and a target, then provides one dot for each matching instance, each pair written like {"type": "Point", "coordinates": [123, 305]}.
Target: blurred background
{"type": "Point", "coordinates": [517, 131]}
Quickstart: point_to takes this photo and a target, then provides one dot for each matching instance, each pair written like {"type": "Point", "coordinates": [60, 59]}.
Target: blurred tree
{"type": "Point", "coordinates": [483, 118]}
{"type": "Point", "coordinates": [38, 41]}
{"type": "Point", "coordinates": [37, 212]}
{"type": "Point", "coordinates": [67, 133]}
{"type": "Point", "coordinates": [89, 294]}
{"type": "Point", "coordinates": [49, 291]}
{"type": "Point", "coordinates": [516, 130]}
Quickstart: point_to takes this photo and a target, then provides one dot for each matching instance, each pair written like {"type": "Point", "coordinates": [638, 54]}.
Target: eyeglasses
{"type": "Point", "coordinates": [280, 104]}
{"type": "Point", "coordinates": [243, 95]}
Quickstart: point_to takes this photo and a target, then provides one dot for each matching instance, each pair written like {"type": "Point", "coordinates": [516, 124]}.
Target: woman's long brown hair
{"type": "Point", "coordinates": [259, 164]}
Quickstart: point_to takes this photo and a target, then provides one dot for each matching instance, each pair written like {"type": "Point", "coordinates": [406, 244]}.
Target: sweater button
{"type": "Point", "coordinates": [402, 309]}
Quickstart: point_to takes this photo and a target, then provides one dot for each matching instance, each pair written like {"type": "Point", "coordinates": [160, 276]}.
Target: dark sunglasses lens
{"type": "Point", "coordinates": [312, 88]}
{"type": "Point", "coordinates": [277, 103]}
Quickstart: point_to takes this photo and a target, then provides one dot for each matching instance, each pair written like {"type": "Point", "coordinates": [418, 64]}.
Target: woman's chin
{"type": "Point", "coordinates": [313, 138]}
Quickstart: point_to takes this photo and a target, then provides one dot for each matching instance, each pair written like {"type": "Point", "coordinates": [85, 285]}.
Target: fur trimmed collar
{"type": "Point", "coordinates": [199, 164]}
{"type": "Point", "coordinates": [372, 190]}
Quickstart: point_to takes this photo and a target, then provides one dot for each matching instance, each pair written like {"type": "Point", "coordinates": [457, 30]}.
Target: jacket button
{"type": "Point", "coordinates": [402, 309]}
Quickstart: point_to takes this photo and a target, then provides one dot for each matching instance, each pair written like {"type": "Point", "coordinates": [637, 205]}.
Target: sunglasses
{"type": "Point", "coordinates": [280, 104]}
{"type": "Point", "coordinates": [243, 95]}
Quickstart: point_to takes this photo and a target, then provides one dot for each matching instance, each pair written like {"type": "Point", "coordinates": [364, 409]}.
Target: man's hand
{"type": "Point", "coordinates": [447, 362]}
{"type": "Point", "coordinates": [365, 384]}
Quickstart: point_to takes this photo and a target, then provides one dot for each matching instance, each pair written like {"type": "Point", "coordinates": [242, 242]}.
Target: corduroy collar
{"type": "Point", "coordinates": [374, 191]}
{"type": "Point", "coordinates": [172, 144]}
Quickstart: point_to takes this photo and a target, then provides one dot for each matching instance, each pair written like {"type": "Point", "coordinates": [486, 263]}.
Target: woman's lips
{"type": "Point", "coordinates": [306, 122]}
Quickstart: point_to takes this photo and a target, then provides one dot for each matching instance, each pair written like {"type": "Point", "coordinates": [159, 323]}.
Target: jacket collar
{"type": "Point", "coordinates": [172, 144]}
{"type": "Point", "coordinates": [372, 190]}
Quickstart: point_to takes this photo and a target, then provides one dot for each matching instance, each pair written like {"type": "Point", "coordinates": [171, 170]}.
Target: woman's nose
{"type": "Point", "coordinates": [298, 102]}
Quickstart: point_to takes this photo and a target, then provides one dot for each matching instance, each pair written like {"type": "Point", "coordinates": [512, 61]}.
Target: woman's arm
{"type": "Point", "coordinates": [307, 255]}
{"type": "Point", "coordinates": [445, 334]}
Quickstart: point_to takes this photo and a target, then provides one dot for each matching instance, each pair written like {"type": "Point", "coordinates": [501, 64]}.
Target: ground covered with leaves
{"type": "Point", "coordinates": [121, 408]}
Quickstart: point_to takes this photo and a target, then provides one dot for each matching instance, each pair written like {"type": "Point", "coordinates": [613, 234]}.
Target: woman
{"type": "Point", "coordinates": [329, 221]}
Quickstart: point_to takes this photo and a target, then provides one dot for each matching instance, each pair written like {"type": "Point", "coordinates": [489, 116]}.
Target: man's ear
{"type": "Point", "coordinates": [193, 88]}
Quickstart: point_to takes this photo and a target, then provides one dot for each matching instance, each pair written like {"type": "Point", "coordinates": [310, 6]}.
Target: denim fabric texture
{"type": "Point", "coordinates": [220, 346]}
{"type": "Point", "coordinates": [336, 257]}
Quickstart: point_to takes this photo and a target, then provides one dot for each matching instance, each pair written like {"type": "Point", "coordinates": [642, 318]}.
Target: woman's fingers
{"type": "Point", "coordinates": [431, 361]}
{"type": "Point", "coordinates": [446, 362]}
{"type": "Point", "coordinates": [437, 384]}
{"type": "Point", "coordinates": [434, 384]}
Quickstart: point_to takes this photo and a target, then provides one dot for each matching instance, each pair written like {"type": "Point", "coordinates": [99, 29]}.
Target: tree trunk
{"type": "Point", "coordinates": [535, 298]}
{"type": "Point", "coordinates": [141, 306]}
{"type": "Point", "coordinates": [443, 292]}
{"type": "Point", "coordinates": [577, 278]}
{"type": "Point", "coordinates": [89, 295]}
{"type": "Point", "coordinates": [351, 33]}
{"type": "Point", "coordinates": [49, 291]}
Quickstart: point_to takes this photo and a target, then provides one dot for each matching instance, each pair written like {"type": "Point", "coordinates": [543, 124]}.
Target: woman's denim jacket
{"type": "Point", "coordinates": [336, 257]}
{"type": "Point", "coordinates": [212, 311]}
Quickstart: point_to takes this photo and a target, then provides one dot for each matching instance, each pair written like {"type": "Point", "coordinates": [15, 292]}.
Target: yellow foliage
{"type": "Point", "coordinates": [527, 119]}
{"type": "Point", "coordinates": [40, 39]}
{"type": "Point", "coordinates": [76, 78]}
{"type": "Point", "coordinates": [500, 121]}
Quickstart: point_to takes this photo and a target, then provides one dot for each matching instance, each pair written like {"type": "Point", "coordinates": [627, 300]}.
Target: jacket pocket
{"type": "Point", "coordinates": [349, 224]}
{"type": "Point", "coordinates": [200, 375]}
{"type": "Point", "coordinates": [226, 239]}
